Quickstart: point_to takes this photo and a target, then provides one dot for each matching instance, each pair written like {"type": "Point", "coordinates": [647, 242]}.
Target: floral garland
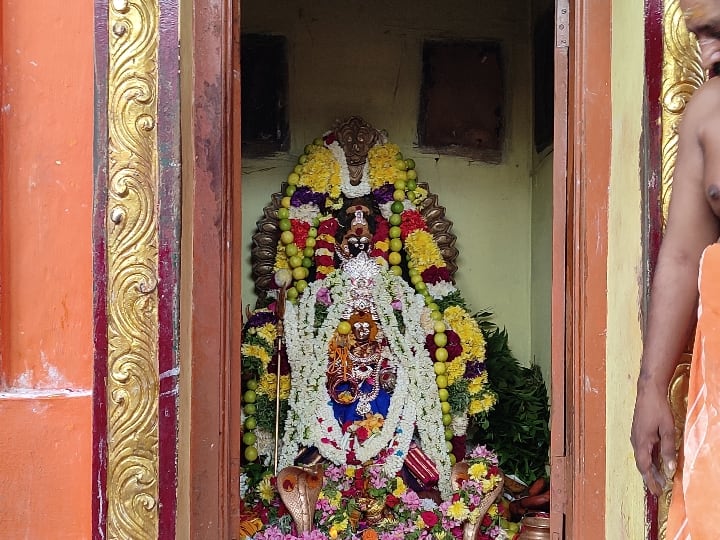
{"type": "Point", "coordinates": [306, 253]}
{"type": "Point", "coordinates": [312, 422]}
{"type": "Point", "coordinates": [352, 494]}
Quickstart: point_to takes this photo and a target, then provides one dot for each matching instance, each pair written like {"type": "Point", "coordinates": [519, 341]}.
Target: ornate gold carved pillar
{"type": "Point", "coordinates": [132, 266]}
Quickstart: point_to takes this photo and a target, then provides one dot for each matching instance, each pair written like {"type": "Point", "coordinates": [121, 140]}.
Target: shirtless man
{"type": "Point", "coordinates": [693, 225]}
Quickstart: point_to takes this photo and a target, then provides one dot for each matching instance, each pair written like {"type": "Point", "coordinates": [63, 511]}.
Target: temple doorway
{"type": "Point", "coordinates": [467, 96]}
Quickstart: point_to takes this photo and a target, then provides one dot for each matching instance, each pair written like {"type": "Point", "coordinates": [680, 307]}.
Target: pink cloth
{"type": "Point", "coordinates": [694, 508]}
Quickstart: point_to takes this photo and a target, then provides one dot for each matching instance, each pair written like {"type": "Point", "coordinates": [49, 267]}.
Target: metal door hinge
{"type": "Point", "coordinates": [562, 23]}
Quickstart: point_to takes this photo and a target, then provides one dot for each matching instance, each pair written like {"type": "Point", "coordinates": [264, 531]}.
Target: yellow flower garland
{"type": "Point", "coordinates": [423, 250]}
{"type": "Point", "coordinates": [382, 165]}
{"type": "Point", "coordinates": [321, 172]}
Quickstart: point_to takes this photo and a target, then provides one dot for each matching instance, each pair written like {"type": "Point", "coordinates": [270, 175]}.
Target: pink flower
{"type": "Point", "coordinates": [323, 296]}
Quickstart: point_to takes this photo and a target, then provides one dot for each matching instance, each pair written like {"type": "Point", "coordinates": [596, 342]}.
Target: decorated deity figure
{"type": "Point", "coordinates": [360, 377]}
{"type": "Point", "coordinates": [381, 367]}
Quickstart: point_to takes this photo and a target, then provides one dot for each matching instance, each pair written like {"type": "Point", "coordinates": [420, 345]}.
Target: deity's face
{"type": "Point", "coordinates": [702, 18]}
{"type": "Point", "coordinates": [361, 329]}
{"type": "Point", "coordinates": [357, 244]}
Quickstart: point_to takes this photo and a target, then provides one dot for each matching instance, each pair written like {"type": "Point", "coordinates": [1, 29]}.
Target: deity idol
{"type": "Point", "coordinates": [360, 379]}
{"type": "Point", "coordinates": [379, 362]}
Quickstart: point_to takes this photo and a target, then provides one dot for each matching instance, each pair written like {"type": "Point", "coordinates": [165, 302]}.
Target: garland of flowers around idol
{"type": "Point", "coordinates": [311, 421]}
{"type": "Point", "coordinates": [305, 253]}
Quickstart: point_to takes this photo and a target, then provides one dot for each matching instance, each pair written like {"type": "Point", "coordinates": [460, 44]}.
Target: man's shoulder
{"type": "Point", "coordinates": [706, 98]}
{"type": "Point", "coordinates": [703, 109]}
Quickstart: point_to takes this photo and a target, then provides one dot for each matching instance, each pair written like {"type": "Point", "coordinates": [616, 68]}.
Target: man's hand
{"type": "Point", "coordinates": [653, 424]}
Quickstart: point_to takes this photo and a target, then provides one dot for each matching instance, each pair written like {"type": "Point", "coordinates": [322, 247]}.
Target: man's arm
{"type": "Point", "coordinates": [691, 227]}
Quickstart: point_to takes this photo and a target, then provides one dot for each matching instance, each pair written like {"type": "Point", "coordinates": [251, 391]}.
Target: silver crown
{"type": "Point", "coordinates": [363, 272]}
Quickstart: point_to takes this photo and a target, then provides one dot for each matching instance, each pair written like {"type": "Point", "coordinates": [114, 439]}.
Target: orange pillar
{"type": "Point", "coordinates": [46, 172]}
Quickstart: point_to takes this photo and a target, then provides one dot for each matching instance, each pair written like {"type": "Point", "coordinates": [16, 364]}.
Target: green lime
{"type": "Point", "coordinates": [297, 170]}
{"type": "Point", "coordinates": [396, 244]}
{"type": "Point", "coordinates": [294, 177]}
{"type": "Point", "coordinates": [447, 418]}
{"type": "Point", "coordinates": [309, 148]}
{"type": "Point", "coordinates": [441, 355]}
{"type": "Point", "coordinates": [440, 369]}
{"type": "Point", "coordinates": [283, 213]}
{"type": "Point", "coordinates": [395, 219]}
{"type": "Point", "coordinates": [400, 165]}
{"type": "Point", "coordinates": [412, 176]}
{"type": "Point", "coordinates": [308, 252]}
{"type": "Point", "coordinates": [445, 407]}
{"type": "Point", "coordinates": [440, 339]}
{"type": "Point", "coordinates": [317, 141]}
{"type": "Point", "coordinates": [284, 224]}
{"type": "Point", "coordinates": [249, 438]}
{"type": "Point", "coordinates": [399, 156]}
{"type": "Point", "coordinates": [287, 237]}
{"type": "Point", "coordinates": [411, 183]}
{"type": "Point", "coordinates": [439, 326]}
{"type": "Point", "coordinates": [343, 328]}
{"type": "Point", "coordinates": [443, 394]}
{"type": "Point", "coordinates": [432, 306]}
{"type": "Point", "coordinates": [290, 190]}
{"type": "Point", "coordinates": [310, 243]}
{"type": "Point", "coordinates": [441, 381]}
{"type": "Point", "coordinates": [399, 195]}
{"type": "Point", "coordinates": [295, 261]}
{"type": "Point", "coordinates": [394, 258]}
{"type": "Point", "coordinates": [291, 250]}
{"type": "Point", "coordinates": [420, 287]}
{"type": "Point", "coordinates": [448, 444]}
{"type": "Point", "coordinates": [448, 433]}
{"type": "Point", "coordinates": [394, 231]}
{"type": "Point", "coordinates": [453, 459]}
{"type": "Point", "coordinates": [397, 270]}
{"type": "Point", "coordinates": [252, 384]}
{"type": "Point", "coordinates": [436, 315]}
{"type": "Point", "coordinates": [312, 232]}
{"type": "Point", "coordinates": [397, 207]}
{"type": "Point", "coordinates": [301, 285]}
{"type": "Point", "coordinates": [250, 396]}
{"type": "Point", "coordinates": [400, 184]}
{"type": "Point", "coordinates": [410, 163]}
{"type": "Point", "coordinates": [292, 293]}
{"type": "Point", "coordinates": [300, 273]}
{"type": "Point", "coordinates": [250, 408]}
{"type": "Point", "coordinates": [251, 453]}
{"type": "Point", "coordinates": [302, 159]}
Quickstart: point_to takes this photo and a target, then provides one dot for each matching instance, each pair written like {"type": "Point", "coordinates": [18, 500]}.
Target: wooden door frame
{"type": "Point", "coordinates": [215, 318]}
{"type": "Point", "coordinates": [581, 181]}
{"type": "Point", "coordinates": [580, 201]}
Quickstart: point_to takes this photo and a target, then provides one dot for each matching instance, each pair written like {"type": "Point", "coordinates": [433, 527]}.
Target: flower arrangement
{"type": "Point", "coordinates": [363, 503]}
{"type": "Point", "coordinates": [438, 344]}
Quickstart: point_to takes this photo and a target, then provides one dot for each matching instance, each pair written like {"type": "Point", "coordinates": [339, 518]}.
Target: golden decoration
{"type": "Point", "coordinates": [132, 255]}
{"type": "Point", "coordinates": [682, 75]}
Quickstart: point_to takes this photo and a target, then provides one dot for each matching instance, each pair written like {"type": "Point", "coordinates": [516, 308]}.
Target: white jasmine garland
{"type": "Point", "coordinates": [305, 213]}
{"type": "Point", "coordinates": [413, 404]}
{"type": "Point", "coordinates": [350, 191]}
{"type": "Point", "coordinates": [440, 289]}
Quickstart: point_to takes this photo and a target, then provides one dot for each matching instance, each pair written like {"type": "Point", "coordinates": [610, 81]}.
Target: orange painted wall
{"type": "Point", "coordinates": [46, 176]}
